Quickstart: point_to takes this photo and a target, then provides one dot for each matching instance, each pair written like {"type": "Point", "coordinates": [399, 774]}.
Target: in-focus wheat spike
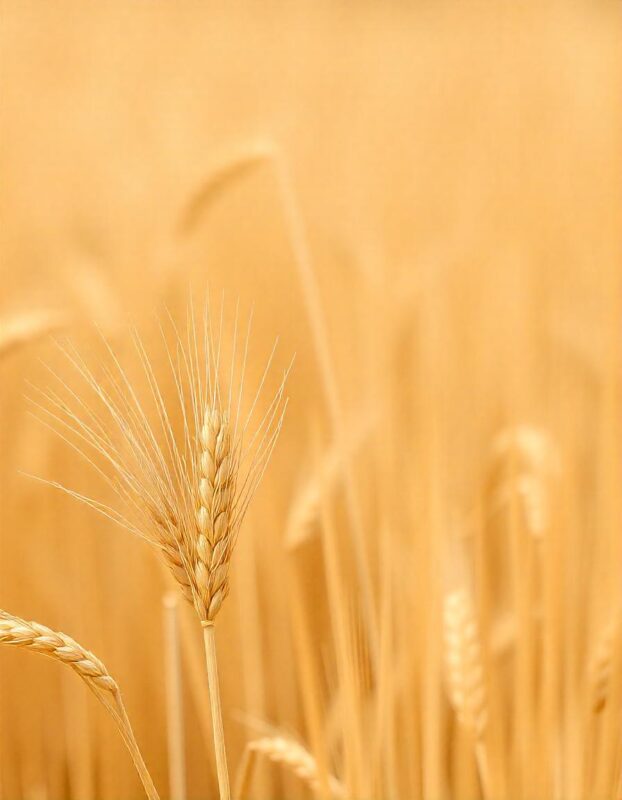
{"type": "Point", "coordinates": [293, 756]}
{"type": "Point", "coordinates": [465, 674]}
{"type": "Point", "coordinates": [216, 513]}
{"type": "Point", "coordinates": [17, 632]}
{"type": "Point", "coordinates": [183, 469]}
{"type": "Point", "coordinates": [602, 665]}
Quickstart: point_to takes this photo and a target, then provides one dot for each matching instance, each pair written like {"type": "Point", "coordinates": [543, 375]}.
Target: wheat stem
{"type": "Point", "coordinates": [174, 699]}
{"type": "Point", "coordinates": [214, 695]}
{"type": "Point", "coordinates": [321, 341]}
{"type": "Point", "coordinates": [127, 733]}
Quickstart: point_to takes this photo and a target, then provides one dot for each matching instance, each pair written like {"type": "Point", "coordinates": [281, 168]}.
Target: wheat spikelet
{"type": "Point", "coordinates": [465, 675]}
{"type": "Point", "coordinates": [293, 756]}
{"type": "Point", "coordinates": [17, 632]}
{"type": "Point", "coordinates": [601, 666]}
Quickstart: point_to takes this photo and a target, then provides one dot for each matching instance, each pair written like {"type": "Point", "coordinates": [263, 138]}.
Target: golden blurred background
{"type": "Point", "coordinates": [423, 202]}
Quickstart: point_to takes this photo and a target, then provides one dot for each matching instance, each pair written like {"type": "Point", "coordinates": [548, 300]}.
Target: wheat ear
{"type": "Point", "coordinates": [229, 169]}
{"type": "Point", "coordinates": [292, 756]}
{"type": "Point", "coordinates": [526, 461]}
{"type": "Point", "coordinates": [465, 674]}
{"type": "Point", "coordinates": [17, 632]}
{"type": "Point", "coordinates": [601, 666]}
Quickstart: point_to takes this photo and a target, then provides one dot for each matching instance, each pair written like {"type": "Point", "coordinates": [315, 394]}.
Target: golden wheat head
{"type": "Point", "coordinates": [58, 646]}
{"type": "Point", "coordinates": [37, 638]}
{"type": "Point", "coordinates": [465, 674]}
{"type": "Point", "coordinates": [184, 474]}
{"type": "Point", "coordinates": [525, 462]}
{"type": "Point", "coordinates": [294, 757]}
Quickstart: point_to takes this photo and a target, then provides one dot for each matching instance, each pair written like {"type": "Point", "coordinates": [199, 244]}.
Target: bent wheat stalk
{"type": "Point", "coordinates": [186, 493]}
{"type": "Point", "coordinates": [33, 636]}
{"type": "Point", "coordinates": [289, 754]}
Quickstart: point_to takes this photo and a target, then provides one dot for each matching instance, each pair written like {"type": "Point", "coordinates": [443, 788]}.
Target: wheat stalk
{"type": "Point", "coordinates": [293, 756]}
{"type": "Point", "coordinates": [174, 698]}
{"type": "Point", "coordinates": [215, 522]}
{"type": "Point", "coordinates": [186, 495]}
{"type": "Point", "coordinates": [17, 632]}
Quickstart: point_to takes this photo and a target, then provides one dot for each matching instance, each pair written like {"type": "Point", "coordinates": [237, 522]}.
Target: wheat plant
{"type": "Point", "coordinates": [37, 638]}
{"type": "Point", "coordinates": [185, 492]}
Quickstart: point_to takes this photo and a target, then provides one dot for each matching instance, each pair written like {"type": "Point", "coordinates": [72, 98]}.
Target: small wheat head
{"type": "Point", "coordinates": [525, 463]}
{"type": "Point", "coordinates": [296, 758]}
{"type": "Point", "coordinates": [465, 674]}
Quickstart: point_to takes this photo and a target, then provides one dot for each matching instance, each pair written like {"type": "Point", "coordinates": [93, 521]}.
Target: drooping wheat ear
{"type": "Point", "coordinates": [215, 517]}
{"type": "Point", "coordinates": [34, 636]}
{"type": "Point", "coordinates": [524, 462]}
{"type": "Point", "coordinates": [229, 168]}
{"type": "Point", "coordinates": [17, 632]}
{"type": "Point", "coordinates": [465, 674]}
{"type": "Point", "coordinates": [602, 665]}
{"type": "Point", "coordinates": [291, 755]}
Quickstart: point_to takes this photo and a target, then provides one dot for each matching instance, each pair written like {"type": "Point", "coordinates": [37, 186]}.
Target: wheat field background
{"type": "Point", "coordinates": [423, 202]}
